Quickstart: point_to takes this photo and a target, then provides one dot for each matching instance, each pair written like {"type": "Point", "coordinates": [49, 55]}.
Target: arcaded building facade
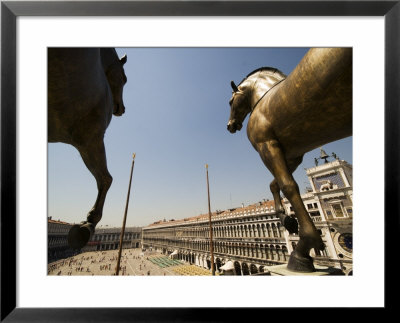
{"type": "Point", "coordinates": [109, 238]}
{"type": "Point", "coordinates": [57, 240]}
{"type": "Point", "coordinates": [253, 237]}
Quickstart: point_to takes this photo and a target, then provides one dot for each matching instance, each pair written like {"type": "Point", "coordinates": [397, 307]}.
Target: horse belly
{"type": "Point", "coordinates": [79, 100]}
{"type": "Point", "coordinates": [75, 123]}
{"type": "Point", "coordinates": [305, 118]}
{"type": "Point", "coordinates": [295, 146]}
{"type": "Point", "coordinates": [311, 130]}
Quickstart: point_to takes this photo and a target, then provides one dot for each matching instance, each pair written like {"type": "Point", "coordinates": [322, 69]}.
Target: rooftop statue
{"type": "Point", "coordinates": [84, 91]}
{"type": "Point", "coordinates": [290, 116]}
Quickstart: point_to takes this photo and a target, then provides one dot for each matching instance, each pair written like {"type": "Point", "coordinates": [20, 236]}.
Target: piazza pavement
{"type": "Point", "coordinates": [134, 262]}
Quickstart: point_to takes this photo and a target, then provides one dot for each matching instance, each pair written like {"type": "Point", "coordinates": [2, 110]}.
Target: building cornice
{"type": "Point", "coordinates": [317, 170]}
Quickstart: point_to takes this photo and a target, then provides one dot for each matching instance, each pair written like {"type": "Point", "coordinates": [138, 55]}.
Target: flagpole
{"type": "Point", "coordinates": [209, 220]}
{"type": "Point", "coordinates": [124, 221]}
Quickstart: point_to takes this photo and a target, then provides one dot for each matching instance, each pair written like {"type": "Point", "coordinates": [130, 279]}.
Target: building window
{"type": "Point", "coordinates": [337, 208]}
{"type": "Point", "coordinates": [274, 230]}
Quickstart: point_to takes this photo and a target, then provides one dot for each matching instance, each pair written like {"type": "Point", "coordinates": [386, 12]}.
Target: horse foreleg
{"type": "Point", "coordinates": [288, 222]}
{"type": "Point", "coordinates": [94, 157]}
{"type": "Point", "coordinates": [309, 236]}
{"type": "Point", "coordinates": [275, 190]}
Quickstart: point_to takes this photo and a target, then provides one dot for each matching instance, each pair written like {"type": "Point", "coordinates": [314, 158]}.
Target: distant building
{"type": "Point", "coordinates": [57, 239]}
{"type": "Point", "coordinates": [253, 237]}
{"type": "Point", "coordinates": [103, 239]}
{"type": "Point", "coordinates": [109, 238]}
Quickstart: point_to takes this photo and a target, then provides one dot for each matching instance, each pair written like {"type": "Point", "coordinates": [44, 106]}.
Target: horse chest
{"type": "Point", "coordinates": [259, 130]}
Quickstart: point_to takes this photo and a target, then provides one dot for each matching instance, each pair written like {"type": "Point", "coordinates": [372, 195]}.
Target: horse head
{"type": "Point", "coordinates": [113, 67]}
{"type": "Point", "coordinates": [249, 92]}
{"type": "Point", "coordinates": [240, 107]}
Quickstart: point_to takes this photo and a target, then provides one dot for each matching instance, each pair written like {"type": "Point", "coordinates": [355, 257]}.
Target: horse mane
{"type": "Point", "coordinates": [271, 70]}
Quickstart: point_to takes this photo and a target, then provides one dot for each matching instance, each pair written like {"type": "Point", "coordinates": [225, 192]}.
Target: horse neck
{"type": "Point", "coordinates": [108, 57]}
{"type": "Point", "coordinates": [255, 89]}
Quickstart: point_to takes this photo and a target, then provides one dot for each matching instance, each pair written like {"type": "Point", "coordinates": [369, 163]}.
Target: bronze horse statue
{"type": "Point", "coordinates": [84, 90]}
{"type": "Point", "coordinates": [290, 116]}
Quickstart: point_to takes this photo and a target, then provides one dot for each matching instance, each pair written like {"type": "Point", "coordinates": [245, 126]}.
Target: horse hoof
{"type": "Point", "coordinates": [291, 225]}
{"type": "Point", "coordinates": [79, 235]}
{"type": "Point", "coordinates": [300, 263]}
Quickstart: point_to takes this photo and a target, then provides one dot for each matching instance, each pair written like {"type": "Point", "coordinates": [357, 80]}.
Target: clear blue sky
{"type": "Point", "coordinates": [175, 121]}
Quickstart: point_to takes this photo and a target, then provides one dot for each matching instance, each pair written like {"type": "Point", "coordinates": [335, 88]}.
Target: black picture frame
{"type": "Point", "coordinates": [10, 10]}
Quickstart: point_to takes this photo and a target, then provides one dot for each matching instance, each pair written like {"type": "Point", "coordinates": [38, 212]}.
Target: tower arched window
{"type": "Point", "coordinates": [274, 230]}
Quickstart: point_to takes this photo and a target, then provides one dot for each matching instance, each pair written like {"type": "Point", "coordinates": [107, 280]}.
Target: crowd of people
{"type": "Point", "coordinates": [133, 262]}
{"type": "Point", "coordinates": [70, 265]}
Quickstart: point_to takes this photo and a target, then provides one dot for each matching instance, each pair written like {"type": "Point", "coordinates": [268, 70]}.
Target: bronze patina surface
{"type": "Point", "coordinates": [290, 116]}
{"type": "Point", "coordinates": [84, 90]}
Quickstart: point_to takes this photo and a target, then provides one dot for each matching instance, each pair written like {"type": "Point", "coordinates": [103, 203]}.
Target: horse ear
{"type": "Point", "coordinates": [123, 59]}
{"type": "Point", "coordinates": [234, 87]}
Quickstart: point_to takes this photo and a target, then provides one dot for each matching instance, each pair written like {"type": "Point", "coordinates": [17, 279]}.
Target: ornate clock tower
{"type": "Point", "coordinates": [330, 205]}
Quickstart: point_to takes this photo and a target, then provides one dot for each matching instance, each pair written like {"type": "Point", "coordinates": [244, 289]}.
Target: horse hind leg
{"type": "Point", "coordinates": [94, 157]}
{"type": "Point", "coordinates": [288, 222]}
{"type": "Point", "coordinates": [309, 237]}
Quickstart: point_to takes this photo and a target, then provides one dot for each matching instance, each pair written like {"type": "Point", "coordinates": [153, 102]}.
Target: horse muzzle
{"type": "Point", "coordinates": [234, 126]}
{"type": "Point", "coordinates": [119, 110]}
